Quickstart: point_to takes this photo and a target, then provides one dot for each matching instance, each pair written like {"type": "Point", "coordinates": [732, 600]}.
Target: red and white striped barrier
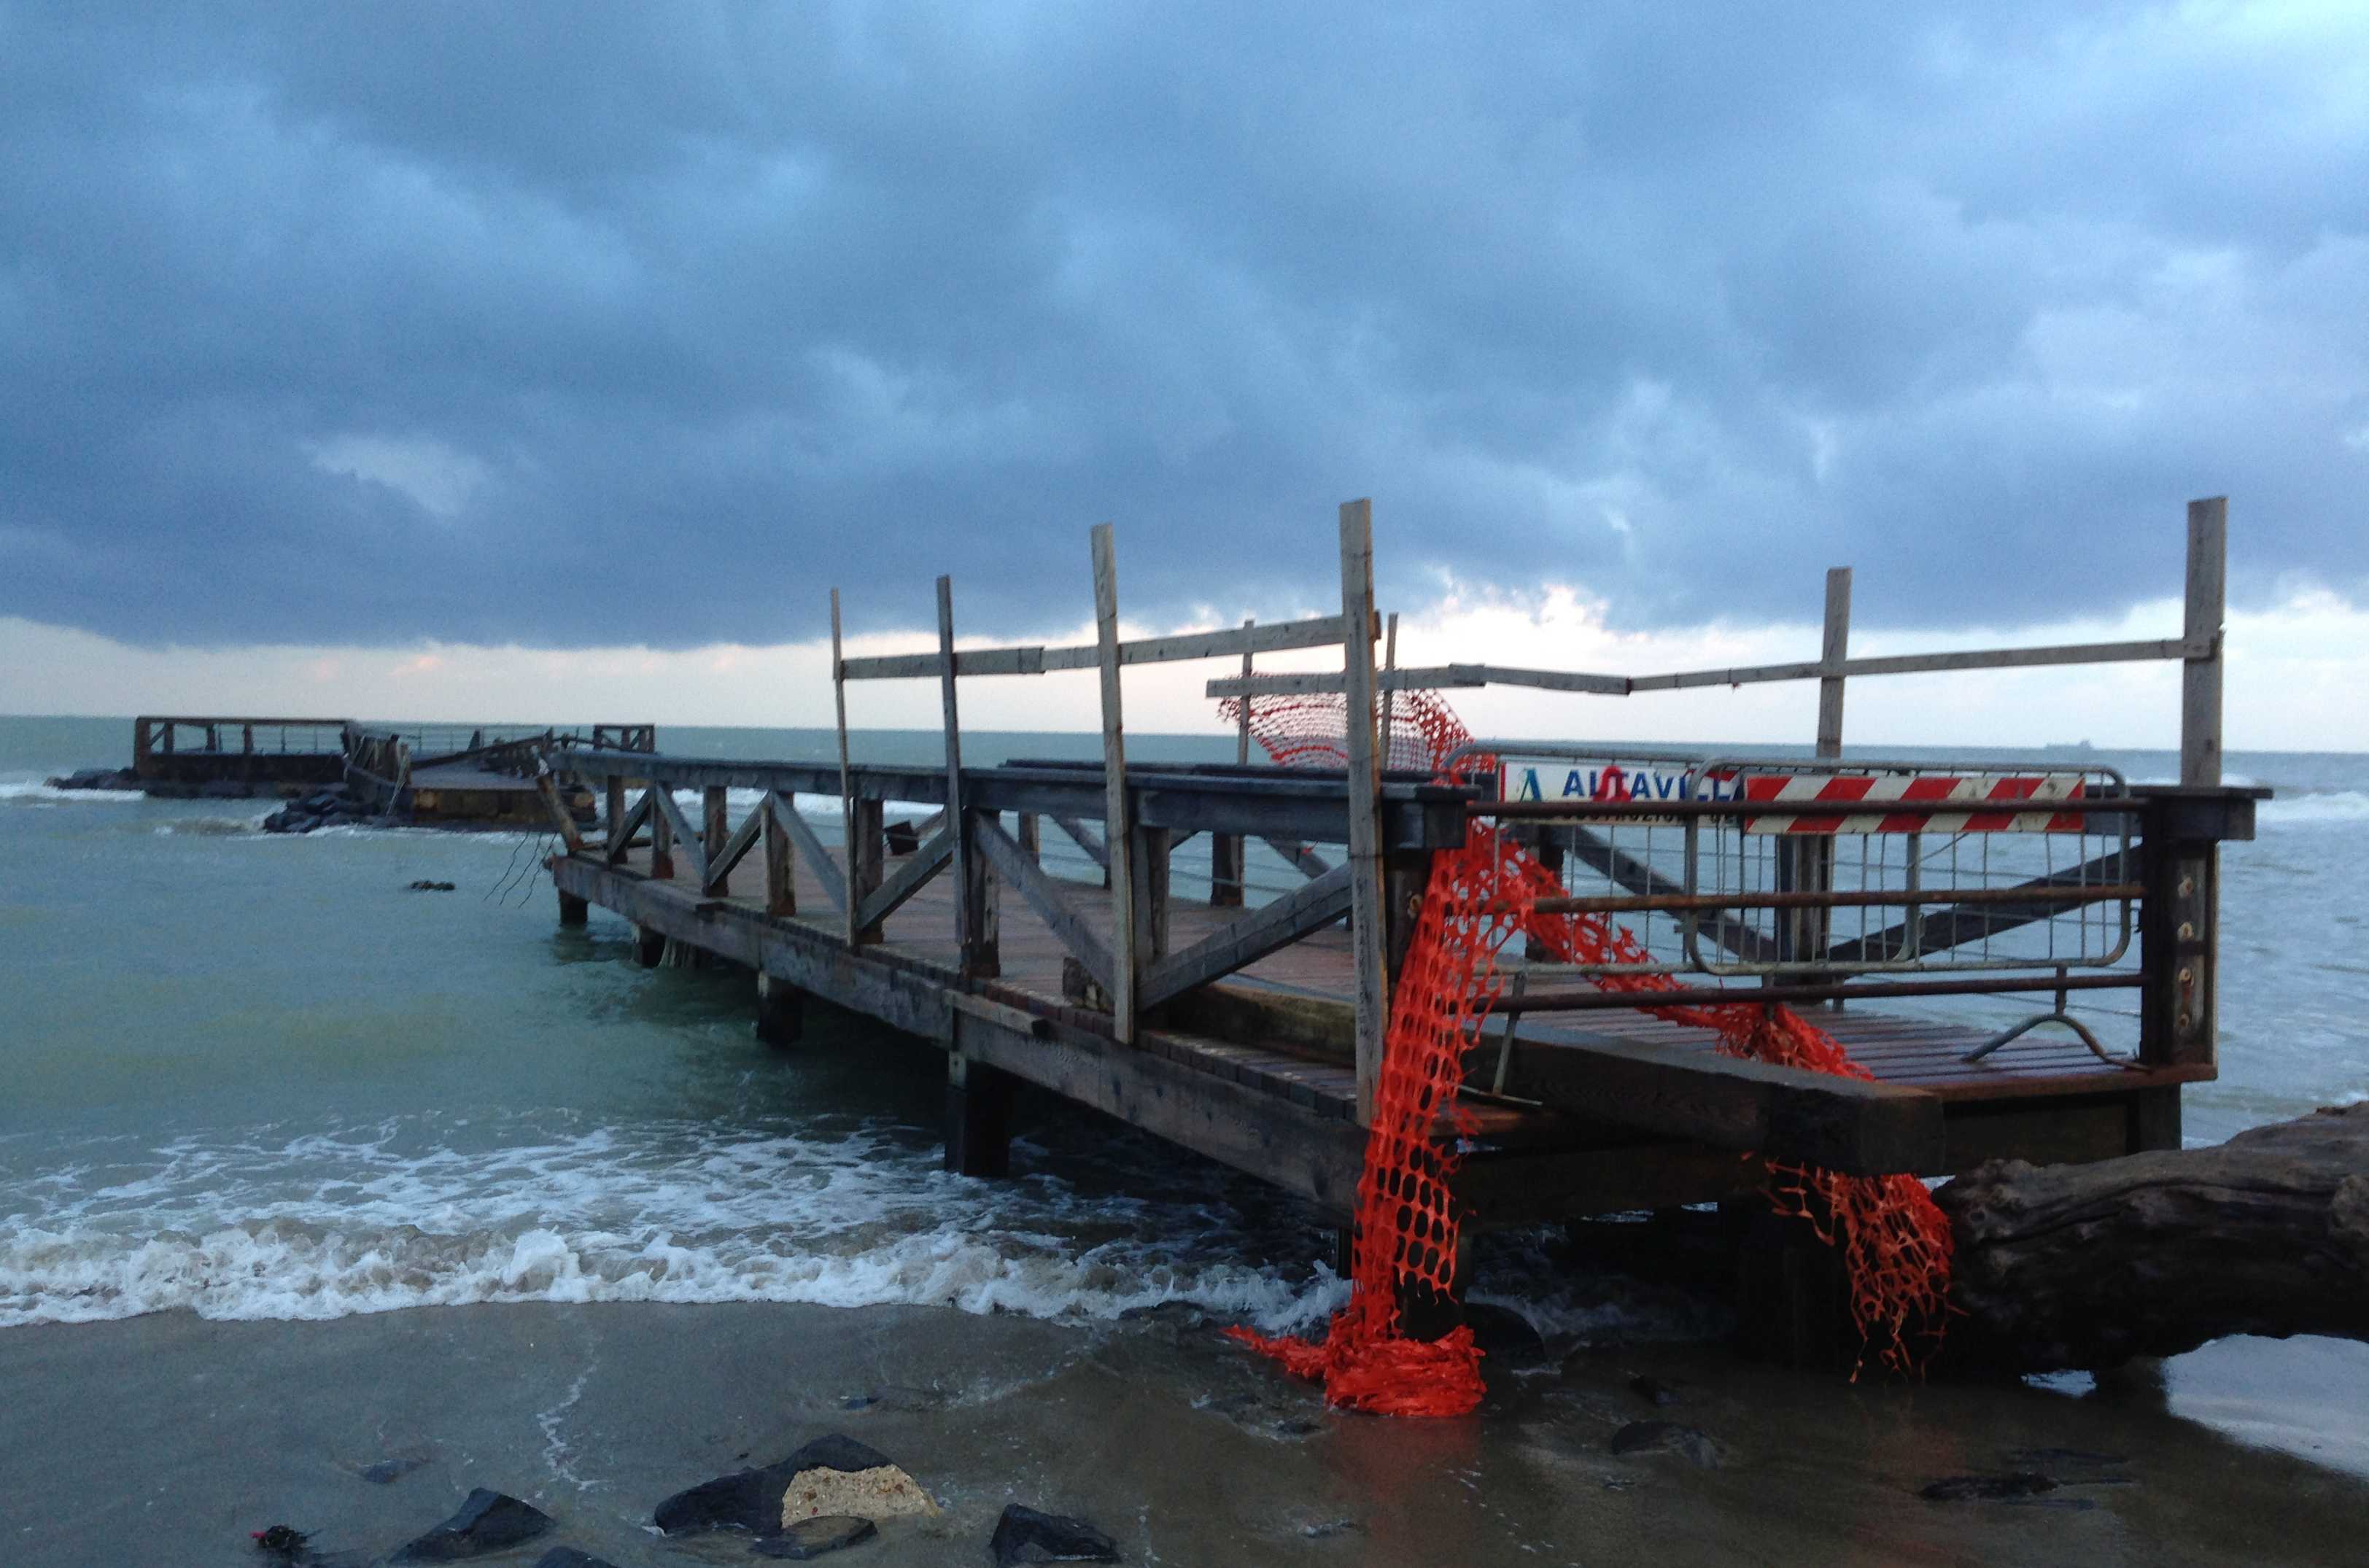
{"type": "Point", "coordinates": [1852, 790]}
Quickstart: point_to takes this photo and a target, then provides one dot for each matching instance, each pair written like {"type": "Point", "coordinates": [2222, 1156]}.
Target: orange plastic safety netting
{"type": "Point", "coordinates": [1895, 1240]}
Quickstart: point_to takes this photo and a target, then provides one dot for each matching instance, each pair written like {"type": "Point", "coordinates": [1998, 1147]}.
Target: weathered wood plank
{"type": "Point", "coordinates": [622, 829]}
{"type": "Point", "coordinates": [923, 863]}
{"type": "Point", "coordinates": [782, 811]}
{"type": "Point", "coordinates": [1316, 1156]}
{"type": "Point", "coordinates": [781, 862]}
{"type": "Point", "coordinates": [685, 839]}
{"type": "Point", "coordinates": [1299, 857]}
{"type": "Point", "coordinates": [1372, 985]}
{"type": "Point", "coordinates": [732, 851]}
{"type": "Point", "coordinates": [852, 893]}
{"type": "Point", "coordinates": [2200, 676]}
{"type": "Point", "coordinates": [1321, 631]}
{"type": "Point", "coordinates": [1249, 938]}
{"type": "Point", "coordinates": [562, 823]}
{"type": "Point", "coordinates": [1086, 839]}
{"type": "Point", "coordinates": [1075, 932]}
{"type": "Point", "coordinates": [1788, 1113]}
{"type": "Point", "coordinates": [1118, 824]}
{"type": "Point", "coordinates": [715, 816]}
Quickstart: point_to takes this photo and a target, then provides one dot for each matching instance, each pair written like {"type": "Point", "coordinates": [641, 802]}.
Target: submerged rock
{"type": "Point", "coordinates": [1023, 1535]}
{"type": "Point", "coordinates": [392, 1470]}
{"type": "Point", "coordinates": [811, 1538]}
{"type": "Point", "coordinates": [97, 778]}
{"type": "Point", "coordinates": [568, 1557]}
{"type": "Point", "coordinates": [488, 1521]}
{"type": "Point", "coordinates": [1986, 1488]}
{"type": "Point", "coordinates": [424, 885]}
{"type": "Point", "coordinates": [1504, 1334]}
{"type": "Point", "coordinates": [1666, 1437]}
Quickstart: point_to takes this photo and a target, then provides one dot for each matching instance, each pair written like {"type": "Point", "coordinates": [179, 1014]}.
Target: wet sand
{"type": "Point", "coordinates": [164, 1440]}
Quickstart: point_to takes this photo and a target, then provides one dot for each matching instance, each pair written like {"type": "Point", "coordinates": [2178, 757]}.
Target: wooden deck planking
{"type": "Point", "coordinates": [1922, 1053]}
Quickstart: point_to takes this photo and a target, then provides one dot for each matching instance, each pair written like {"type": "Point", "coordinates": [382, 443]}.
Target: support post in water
{"type": "Point", "coordinates": [1372, 991]}
{"type": "Point", "coordinates": [573, 911]}
{"type": "Point", "coordinates": [978, 1115]}
{"type": "Point", "coordinates": [781, 1010]}
{"type": "Point", "coordinates": [1118, 838]}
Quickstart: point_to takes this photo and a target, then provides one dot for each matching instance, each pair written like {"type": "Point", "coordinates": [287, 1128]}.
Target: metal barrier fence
{"type": "Point", "coordinates": [1887, 865]}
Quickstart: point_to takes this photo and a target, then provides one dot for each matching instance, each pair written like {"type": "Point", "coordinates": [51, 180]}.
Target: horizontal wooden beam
{"type": "Point", "coordinates": [1785, 1113]}
{"type": "Point", "coordinates": [924, 864]}
{"type": "Point", "coordinates": [1321, 631]}
{"type": "Point", "coordinates": [1248, 938]}
{"type": "Point", "coordinates": [810, 845]}
{"type": "Point", "coordinates": [1462, 675]}
{"type": "Point", "coordinates": [1316, 1156]}
{"type": "Point", "coordinates": [1074, 931]}
{"type": "Point", "coordinates": [1920, 664]}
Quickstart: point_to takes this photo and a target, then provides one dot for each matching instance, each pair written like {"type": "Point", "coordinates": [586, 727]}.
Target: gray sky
{"type": "Point", "coordinates": [578, 325]}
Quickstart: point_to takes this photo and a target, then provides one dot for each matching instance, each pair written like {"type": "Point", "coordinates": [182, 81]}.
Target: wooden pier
{"type": "Point", "coordinates": [1251, 1031]}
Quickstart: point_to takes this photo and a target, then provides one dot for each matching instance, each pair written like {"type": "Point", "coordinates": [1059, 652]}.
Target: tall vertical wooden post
{"type": "Point", "coordinates": [612, 792]}
{"type": "Point", "coordinates": [1389, 698]}
{"type": "Point", "coordinates": [715, 831]}
{"type": "Point", "coordinates": [848, 847]}
{"type": "Point", "coordinates": [1243, 719]}
{"type": "Point", "coordinates": [2178, 1014]}
{"type": "Point", "coordinates": [1118, 838]}
{"type": "Point", "coordinates": [1367, 935]}
{"type": "Point", "coordinates": [780, 864]}
{"type": "Point", "coordinates": [1815, 871]}
{"type": "Point", "coordinates": [2200, 675]}
{"type": "Point", "coordinates": [1836, 650]}
{"type": "Point", "coordinates": [951, 717]}
{"type": "Point", "coordinates": [975, 912]}
{"type": "Point", "coordinates": [662, 840]}
{"type": "Point", "coordinates": [1226, 849]}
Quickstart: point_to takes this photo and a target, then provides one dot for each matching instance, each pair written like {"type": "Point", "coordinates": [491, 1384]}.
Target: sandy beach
{"type": "Point", "coordinates": [164, 1440]}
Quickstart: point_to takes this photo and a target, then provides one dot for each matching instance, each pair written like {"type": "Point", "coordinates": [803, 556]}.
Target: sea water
{"type": "Point", "coordinates": [255, 1076]}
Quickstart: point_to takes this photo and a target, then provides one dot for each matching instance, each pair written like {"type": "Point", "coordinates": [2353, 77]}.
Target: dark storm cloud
{"type": "Point", "coordinates": [579, 324]}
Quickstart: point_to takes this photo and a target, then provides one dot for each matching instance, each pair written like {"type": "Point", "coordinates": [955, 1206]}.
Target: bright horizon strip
{"type": "Point", "coordinates": [2294, 676]}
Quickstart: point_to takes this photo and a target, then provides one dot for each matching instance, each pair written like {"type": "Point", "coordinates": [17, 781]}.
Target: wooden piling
{"type": "Point", "coordinates": [2200, 672]}
{"type": "Point", "coordinates": [1117, 835]}
{"type": "Point", "coordinates": [1372, 991]}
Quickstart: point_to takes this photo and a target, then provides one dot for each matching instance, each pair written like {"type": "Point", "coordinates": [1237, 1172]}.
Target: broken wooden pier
{"type": "Point", "coordinates": [1248, 1025]}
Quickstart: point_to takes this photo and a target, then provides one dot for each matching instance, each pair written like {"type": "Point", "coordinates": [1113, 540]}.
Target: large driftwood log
{"type": "Point", "coordinates": [2087, 1266]}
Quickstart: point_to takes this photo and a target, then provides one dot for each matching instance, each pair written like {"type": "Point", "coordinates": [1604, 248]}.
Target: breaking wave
{"type": "Point", "coordinates": [329, 1227]}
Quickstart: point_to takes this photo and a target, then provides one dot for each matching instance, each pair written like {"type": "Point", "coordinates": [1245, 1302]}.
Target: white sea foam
{"type": "Point", "coordinates": [320, 1227]}
{"type": "Point", "coordinates": [34, 791]}
{"type": "Point", "coordinates": [2303, 810]}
